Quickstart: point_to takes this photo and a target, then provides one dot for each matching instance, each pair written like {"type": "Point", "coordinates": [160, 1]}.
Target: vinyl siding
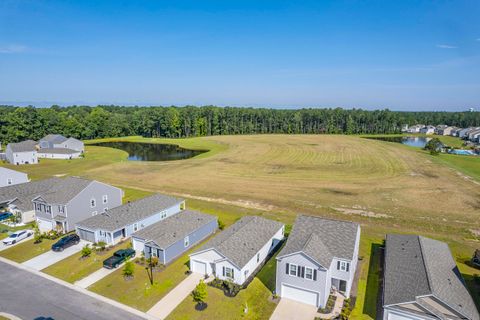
{"type": "Point", "coordinates": [15, 176]}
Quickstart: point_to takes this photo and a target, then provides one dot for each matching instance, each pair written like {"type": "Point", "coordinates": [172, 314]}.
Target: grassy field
{"type": "Point", "coordinates": [27, 250]}
{"type": "Point", "coordinates": [75, 268]}
{"type": "Point", "coordinates": [386, 187]}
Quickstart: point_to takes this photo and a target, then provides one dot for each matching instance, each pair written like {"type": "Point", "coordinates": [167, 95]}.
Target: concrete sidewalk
{"type": "Point", "coordinates": [97, 276]}
{"type": "Point", "coordinates": [50, 257]}
{"type": "Point", "coordinates": [168, 303]}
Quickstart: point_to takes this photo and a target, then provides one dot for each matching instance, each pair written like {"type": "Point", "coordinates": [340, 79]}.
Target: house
{"type": "Point", "coordinates": [18, 198]}
{"type": "Point", "coordinates": [72, 200]}
{"type": "Point", "coordinates": [422, 281]}
{"type": "Point", "coordinates": [58, 153]}
{"type": "Point", "coordinates": [237, 252]}
{"type": "Point", "coordinates": [22, 152]}
{"type": "Point", "coordinates": [462, 133]}
{"type": "Point", "coordinates": [121, 222]}
{"type": "Point", "coordinates": [474, 136]}
{"type": "Point", "coordinates": [428, 130]}
{"type": "Point", "coordinates": [9, 177]}
{"type": "Point", "coordinates": [171, 237]}
{"type": "Point", "coordinates": [320, 256]}
{"type": "Point", "coordinates": [415, 129]}
{"type": "Point", "coordinates": [476, 258]}
{"type": "Point", "coordinates": [444, 130]}
{"type": "Point", "coordinates": [454, 132]}
{"type": "Point", "coordinates": [57, 141]}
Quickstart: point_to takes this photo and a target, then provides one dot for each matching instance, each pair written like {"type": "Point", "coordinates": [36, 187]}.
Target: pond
{"type": "Point", "coordinates": [151, 151]}
{"type": "Point", "coordinates": [418, 142]}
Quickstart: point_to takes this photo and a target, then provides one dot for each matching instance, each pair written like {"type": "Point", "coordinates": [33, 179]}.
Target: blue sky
{"type": "Point", "coordinates": [404, 55]}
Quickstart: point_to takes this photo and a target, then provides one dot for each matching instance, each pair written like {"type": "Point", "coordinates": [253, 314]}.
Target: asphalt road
{"type": "Point", "coordinates": [29, 296]}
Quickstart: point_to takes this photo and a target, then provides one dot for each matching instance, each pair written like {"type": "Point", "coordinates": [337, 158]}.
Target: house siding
{"type": "Point", "coordinates": [71, 143]}
{"type": "Point", "coordinates": [15, 177]}
{"type": "Point", "coordinates": [18, 158]}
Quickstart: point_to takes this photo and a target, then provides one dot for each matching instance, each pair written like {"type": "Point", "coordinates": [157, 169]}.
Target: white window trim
{"type": "Point", "coordinates": [135, 227]}
{"type": "Point", "coordinates": [343, 266]}
{"type": "Point", "coordinates": [94, 203]}
{"type": "Point", "coordinates": [306, 269]}
{"type": "Point", "coordinates": [94, 213]}
{"type": "Point", "coordinates": [226, 272]}
{"type": "Point", "coordinates": [9, 181]}
{"type": "Point", "coordinates": [105, 199]}
{"type": "Point", "coordinates": [290, 269]}
{"type": "Point", "coordinates": [186, 241]}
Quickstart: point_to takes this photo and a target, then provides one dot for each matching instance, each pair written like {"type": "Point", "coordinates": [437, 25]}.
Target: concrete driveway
{"type": "Point", "coordinates": [293, 310]}
{"type": "Point", "coordinates": [3, 247]}
{"type": "Point", "coordinates": [168, 303]}
{"type": "Point", "coordinates": [50, 257]}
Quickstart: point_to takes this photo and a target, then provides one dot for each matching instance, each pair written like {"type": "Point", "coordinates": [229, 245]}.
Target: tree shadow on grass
{"type": "Point", "coordinates": [473, 285]}
{"type": "Point", "coordinates": [373, 292]}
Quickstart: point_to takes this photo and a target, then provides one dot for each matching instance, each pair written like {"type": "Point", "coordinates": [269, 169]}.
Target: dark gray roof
{"type": "Point", "coordinates": [119, 217]}
{"type": "Point", "coordinates": [242, 241]}
{"type": "Point", "coordinates": [322, 239]}
{"type": "Point", "coordinates": [58, 150]}
{"type": "Point", "coordinates": [174, 228]}
{"type": "Point", "coordinates": [64, 190]}
{"type": "Point", "coordinates": [24, 193]}
{"type": "Point", "coordinates": [418, 266]}
{"type": "Point", "coordinates": [54, 138]}
{"type": "Point", "coordinates": [24, 146]}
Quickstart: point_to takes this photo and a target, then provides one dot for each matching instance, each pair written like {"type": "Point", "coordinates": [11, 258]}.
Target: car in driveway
{"type": "Point", "coordinates": [118, 258]}
{"type": "Point", "coordinates": [5, 215]}
{"type": "Point", "coordinates": [17, 236]}
{"type": "Point", "coordinates": [65, 242]}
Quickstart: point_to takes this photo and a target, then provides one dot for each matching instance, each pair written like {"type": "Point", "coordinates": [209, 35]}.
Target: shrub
{"type": "Point", "coordinates": [221, 225]}
{"type": "Point", "coordinates": [86, 251]}
{"type": "Point", "coordinates": [101, 245]}
{"type": "Point", "coordinates": [153, 261]}
{"type": "Point", "coordinates": [200, 293]}
{"type": "Point", "coordinates": [37, 235]}
{"type": "Point", "coordinates": [128, 269]}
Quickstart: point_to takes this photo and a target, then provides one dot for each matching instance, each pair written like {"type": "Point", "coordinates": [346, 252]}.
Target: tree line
{"type": "Point", "coordinates": [85, 122]}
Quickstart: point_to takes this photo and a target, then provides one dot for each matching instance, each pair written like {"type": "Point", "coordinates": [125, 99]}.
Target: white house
{"type": "Point", "coordinates": [58, 153]}
{"type": "Point", "coordinates": [237, 252]}
{"type": "Point", "coordinates": [422, 281]}
{"type": "Point", "coordinates": [9, 177]}
{"type": "Point", "coordinates": [428, 130]}
{"type": "Point", "coordinates": [320, 256]}
{"type": "Point", "coordinates": [22, 152]}
{"type": "Point", "coordinates": [57, 141]}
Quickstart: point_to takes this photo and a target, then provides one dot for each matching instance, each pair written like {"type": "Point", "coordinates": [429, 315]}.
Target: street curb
{"type": "Point", "coordinates": [9, 316]}
{"type": "Point", "coordinates": [81, 290]}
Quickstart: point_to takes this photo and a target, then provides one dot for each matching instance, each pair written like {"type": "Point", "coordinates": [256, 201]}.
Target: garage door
{"type": "Point", "coordinates": [300, 295]}
{"type": "Point", "coordinates": [86, 235]}
{"type": "Point", "coordinates": [198, 266]}
{"type": "Point", "coordinates": [44, 226]}
{"type": "Point", "coordinates": [137, 244]}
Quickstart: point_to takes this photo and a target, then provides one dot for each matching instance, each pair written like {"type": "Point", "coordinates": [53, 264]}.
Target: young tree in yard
{"type": "Point", "coordinates": [37, 235]}
{"type": "Point", "coordinates": [128, 269]}
{"type": "Point", "coordinates": [434, 146]}
{"type": "Point", "coordinates": [200, 293]}
{"type": "Point", "coordinates": [86, 251]}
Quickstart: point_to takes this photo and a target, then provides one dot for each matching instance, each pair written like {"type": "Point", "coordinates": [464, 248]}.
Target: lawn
{"type": "Point", "coordinates": [8, 229]}
{"type": "Point", "coordinates": [27, 250]}
{"type": "Point", "coordinates": [75, 267]}
{"type": "Point", "coordinates": [138, 293]}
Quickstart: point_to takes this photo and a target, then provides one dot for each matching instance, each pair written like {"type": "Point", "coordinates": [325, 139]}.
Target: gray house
{"type": "Point", "coordinates": [121, 222]}
{"type": "Point", "coordinates": [422, 281]}
{"type": "Point", "coordinates": [18, 198]}
{"type": "Point", "coordinates": [237, 252]}
{"type": "Point", "coordinates": [9, 177]}
{"type": "Point", "coordinates": [169, 238]}
{"type": "Point", "coordinates": [72, 200]}
{"type": "Point", "coordinates": [22, 152]}
{"type": "Point", "coordinates": [55, 141]}
{"type": "Point", "coordinates": [320, 256]}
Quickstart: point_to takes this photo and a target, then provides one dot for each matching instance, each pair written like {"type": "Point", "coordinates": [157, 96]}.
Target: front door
{"type": "Point", "coordinates": [343, 286]}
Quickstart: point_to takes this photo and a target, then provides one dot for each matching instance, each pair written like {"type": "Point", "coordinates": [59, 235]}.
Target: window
{"type": "Point", "coordinates": [102, 233]}
{"type": "Point", "coordinates": [9, 181]}
{"type": "Point", "coordinates": [94, 213]}
{"type": "Point", "coordinates": [93, 203]}
{"type": "Point", "coordinates": [308, 273]}
{"type": "Point", "coordinates": [186, 241]}
{"type": "Point", "coordinates": [258, 257]}
{"type": "Point", "coordinates": [154, 252]}
{"type": "Point", "coordinates": [343, 266]}
{"type": "Point", "coordinates": [293, 270]}
{"type": "Point", "coordinates": [228, 272]}
{"type": "Point", "coordinates": [135, 227]}
{"type": "Point", "coordinates": [105, 199]}
{"type": "Point", "coordinates": [49, 209]}
{"type": "Point", "coordinates": [163, 214]}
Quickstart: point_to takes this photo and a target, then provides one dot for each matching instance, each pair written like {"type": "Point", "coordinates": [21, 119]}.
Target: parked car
{"type": "Point", "coordinates": [118, 257]}
{"type": "Point", "coordinates": [65, 242]}
{"type": "Point", "coordinates": [5, 215]}
{"type": "Point", "coordinates": [17, 236]}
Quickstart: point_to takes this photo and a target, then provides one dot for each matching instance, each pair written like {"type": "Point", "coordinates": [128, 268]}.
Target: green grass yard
{"type": "Point", "coordinates": [27, 250]}
{"type": "Point", "coordinates": [9, 229]}
{"type": "Point", "coordinates": [75, 267]}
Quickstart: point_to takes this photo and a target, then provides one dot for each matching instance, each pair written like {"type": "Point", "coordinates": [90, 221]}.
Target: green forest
{"type": "Point", "coordinates": [85, 122]}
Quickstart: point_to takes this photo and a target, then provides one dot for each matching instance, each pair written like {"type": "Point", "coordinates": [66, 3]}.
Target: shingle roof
{"type": "Point", "coordinates": [322, 239]}
{"type": "Point", "coordinates": [65, 189]}
{"type": "Point", "coordinates": [58, 150]}
{"type": "Point", "coordinates": [242, 241]}
{"type": "Point", "coordinates": [174, 228]}
{"type": "Point", "coordinates": [418, 266]}
{"type": "Point", "coordinates": [55, 138]}
{"type": "Point", "coordinates": [24, 146]}
{"type": "Point", "coordinates": [127, 214]}
{"type": "Point", "coordinates": [24, 193]}
{"type": "Point", "coordinates": [5, 171]}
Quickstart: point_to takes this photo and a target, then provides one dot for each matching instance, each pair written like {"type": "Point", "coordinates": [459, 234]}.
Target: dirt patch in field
{"type": "Point", "coordinates": [362, 212]}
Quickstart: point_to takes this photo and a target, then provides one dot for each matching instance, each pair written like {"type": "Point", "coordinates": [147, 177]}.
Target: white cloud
{"type": "Point", "coordinates": [13, 48]}
{"type": "Point", "coordinates": [446, 46]}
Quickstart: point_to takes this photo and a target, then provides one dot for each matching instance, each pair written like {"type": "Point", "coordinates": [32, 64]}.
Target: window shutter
{"type": "Point", "coordinates": [233, 273]}
{"type": "Point", "coordinates": [287, 270]}
{"type": "Point", "coordinates": [348, 266]}
{"type": "Point", "coordinates": [223, 269]}
{"type": "Point", "coordinates": [314, 275]}
{"type": "Point", "coordinates": [303, 272]}
{"type": "Point", "coordinates": [338, 265]}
